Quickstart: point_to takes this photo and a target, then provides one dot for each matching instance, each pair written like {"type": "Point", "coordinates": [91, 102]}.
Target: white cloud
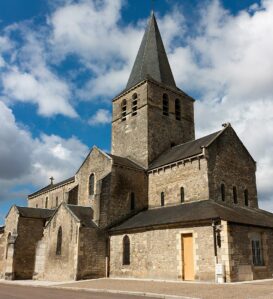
{"type": "Point", "coordinates": [227, 63]}
{"type": "Point", "coordinates": [101, 117]}
{"type": "Point", "coordinates": [27, 160]}
{"type": "Point", "coordinates": [27, 77]}
{"type": "Point", "coordinates": [91, 30]}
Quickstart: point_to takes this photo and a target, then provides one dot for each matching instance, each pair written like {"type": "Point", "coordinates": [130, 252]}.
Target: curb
{"type": "Point", "coordinates": [132, 293]}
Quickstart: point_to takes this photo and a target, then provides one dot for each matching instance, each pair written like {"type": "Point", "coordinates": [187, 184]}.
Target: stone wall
{"type": "Point", "coordinates": [92, 253]}
{"type": "Point", "coordinates": [9, 236]}
{"type": "Point", "coordinates": [64, 266]}
{"type": "Point", "coordinates": [242, 267]}
{"type": "Point", "coordinates": [51, 196]}
{"type": "Point", "coordinates": [30, 231]}
{"type": "Point", "coordinates": [130, 137]}
{"type": "Point", "coordinates": [190, 175]}
{"type": "Point", "coordinates": [165, 131]}
{"type": "Point", "coordinates": [116, 205]}
{"type": "Point", "coordinates": [100, 165]}
{"type": "Point", "coordinates": [230, 163]}
{"type": "Point", "coordinates": [2, 254]}
{"type": "Point", "coordinates": [144, 136]}
{"type": "Point", "coordinates": [157, 254]}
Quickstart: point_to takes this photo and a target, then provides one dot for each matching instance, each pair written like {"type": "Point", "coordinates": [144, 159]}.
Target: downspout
{"type": "Point", "coordinates": [215, 241]}
{"type": "Point", "coordinates": [107, 270]}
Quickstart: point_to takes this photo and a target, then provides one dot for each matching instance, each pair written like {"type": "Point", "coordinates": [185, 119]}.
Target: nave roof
{"type": "Point", "coordinates": [193, 212]}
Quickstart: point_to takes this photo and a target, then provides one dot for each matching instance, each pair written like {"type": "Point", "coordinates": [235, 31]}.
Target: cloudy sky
{"type": "Point", "coordinates": [62, 61]}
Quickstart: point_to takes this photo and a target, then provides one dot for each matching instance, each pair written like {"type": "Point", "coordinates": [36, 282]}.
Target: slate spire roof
{"type": "Point", "coordinates": [151, 61]}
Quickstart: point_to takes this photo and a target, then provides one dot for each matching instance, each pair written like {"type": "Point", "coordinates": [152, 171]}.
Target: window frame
{"type": "Point", "coordinates": [132, 201]}
{"type": "Point", "coordinates": [134, 104]}
{"type": "Point", "coordinates": [165, 104]}
{"type": "Point", "coordinates": [123, 110]}
{"type": "Point", "coordinates": [162, 199]}
{"type": "Point", "coordinates": [182, 194]}
{"type": "Point", "coordinates": [257, 251]}
{"type": "Point", "coordinates": [246, 197]}
{"type": "Point", "coordinates": [223, 192]}
{"type": "Point", "coordinates": [59, 241]}
{"type": "Point", "coordinates": [235, 195]}
{"type": "Point", "coordinates": [126, 251]}
{"type": "Point", "coordinates": [177, 109]}
{"type": "Point", "coordinates": [91, 187]}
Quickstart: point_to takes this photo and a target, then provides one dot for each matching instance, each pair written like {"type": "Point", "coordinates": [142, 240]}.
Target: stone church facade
{"type": "Point", "coordinates": [161, 205]}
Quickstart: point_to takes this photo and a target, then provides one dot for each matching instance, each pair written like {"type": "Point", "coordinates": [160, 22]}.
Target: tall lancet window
{"type": "Point", "coordinates": [92, 184]}
{"type": "Point", "coordinates": [134, 104]}
{"type": "Point", "coordinates": [235, 197]}
{"type": "Point", "coordinates": [223, 192]}
{"type": "Point", "coordinates": [132, 201]}
{"type": "Point", "coordinates": [126, 251]}
{"type": "Point", "coordinates": [162, 199]}
{"type": "Point", "coordinates": [177, 109]}
{"type": "Point", "coordinates": [182, 194]}
{"type": "Point", "coordinates": [246, 197]}
{"type": "Point", "coordinates": [123, 110]}
{"type": "Point", "coordinates": [59, 241]}
{"type": "Point", "coordinates": [165, 104]}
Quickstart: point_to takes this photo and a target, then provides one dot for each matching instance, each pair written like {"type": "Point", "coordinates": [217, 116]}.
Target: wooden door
{"type": "Point", "coordinates": [187, 255]}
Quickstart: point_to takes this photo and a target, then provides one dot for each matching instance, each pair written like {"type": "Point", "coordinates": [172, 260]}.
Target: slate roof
{"type": "Point", "coordinates": [125, 162]}
{"type": "Point", "coordinates": [196, 211]}
{"type": "Point", "coordinates": [84, 214]}
{"type": "Point", "coordinates": [35, 212]}
{"type": "Point", "coordinates": [183, 151]}
{"type": "Point", "coordinates": [151, 60]}
{"type": "Point", "coordinates": [52, 186]}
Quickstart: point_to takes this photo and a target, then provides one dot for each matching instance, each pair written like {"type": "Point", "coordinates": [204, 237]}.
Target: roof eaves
{"type": "Point", "coordinates": [51, 187]}
{"type": "Point", "coordinates": [161, 226]}
{"type": "Point", "coordinates": [191, 157]}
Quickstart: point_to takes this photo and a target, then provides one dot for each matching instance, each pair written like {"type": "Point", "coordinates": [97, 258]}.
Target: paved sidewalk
{"type": "Point", "coordinates": [162, 289]}
{"type": "Point", "coordinates": [251, 290]}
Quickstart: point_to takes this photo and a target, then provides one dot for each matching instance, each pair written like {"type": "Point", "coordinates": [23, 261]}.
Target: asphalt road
{"type": "Point", "coordinates": [22, 292]}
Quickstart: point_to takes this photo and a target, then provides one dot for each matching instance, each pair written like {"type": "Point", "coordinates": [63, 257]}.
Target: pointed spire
{"type": "Point", "coordinates": [151, 60]}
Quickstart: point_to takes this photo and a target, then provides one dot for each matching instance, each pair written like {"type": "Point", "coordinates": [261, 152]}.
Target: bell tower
{"type": "Point", "coordinates": [151, 114]}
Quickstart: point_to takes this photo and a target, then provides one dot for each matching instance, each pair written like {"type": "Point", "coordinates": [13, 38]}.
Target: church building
{"type": "Point", "coordinates": [161, 205]}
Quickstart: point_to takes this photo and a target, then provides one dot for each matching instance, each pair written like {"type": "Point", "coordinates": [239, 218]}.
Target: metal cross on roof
{"type": "Point", "coordinates": [51, 180]}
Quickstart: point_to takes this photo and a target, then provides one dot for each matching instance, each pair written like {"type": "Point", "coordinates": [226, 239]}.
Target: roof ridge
{"type": "Point", "coordinates": [195, 139]}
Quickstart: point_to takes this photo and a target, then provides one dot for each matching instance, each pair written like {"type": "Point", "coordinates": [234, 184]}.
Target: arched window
{"type": "Point", "coordinates": [165, 104]}
{"type": "Point", "coordinates": [126, 251]}
{"type": "Point", "coordinates": [177, 109]}
{"type": "Point", "coordinates": [235, 198]}
{"type": "Point", "coordinates": [36, 205]}
{"type": "Point", "coordinates": [123, 110]}
{"type": "Point", "coordinates": [134, 104]}
{"type": "Point", "coordinates": [46, 202]}
{"type": "Point", "coordinates": [223, 192]}
{"type": "Point", "coordinates": [182, 194]}
{"type": "Point", "coordinates": [59, 241]}
{"type": "Point", "coordinates": [132, 201]}
{"type": "Point", "coordinates": [91, 184]}
{"type": "Point", "coordinates": [246, 197]}
{"type": "Point", "coordinates": [162, 199]}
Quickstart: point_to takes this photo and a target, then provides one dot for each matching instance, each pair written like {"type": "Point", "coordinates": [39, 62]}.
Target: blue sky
{"type": "Point", "coordinates": [63, 61]}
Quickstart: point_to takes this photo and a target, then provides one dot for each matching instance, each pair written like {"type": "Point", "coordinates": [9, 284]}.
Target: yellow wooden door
{"type": "Point", "coordinates": [187, 249]}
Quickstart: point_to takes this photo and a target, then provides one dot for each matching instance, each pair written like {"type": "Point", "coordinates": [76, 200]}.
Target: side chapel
{"type": "Point", "coordinates": [161, 205]}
